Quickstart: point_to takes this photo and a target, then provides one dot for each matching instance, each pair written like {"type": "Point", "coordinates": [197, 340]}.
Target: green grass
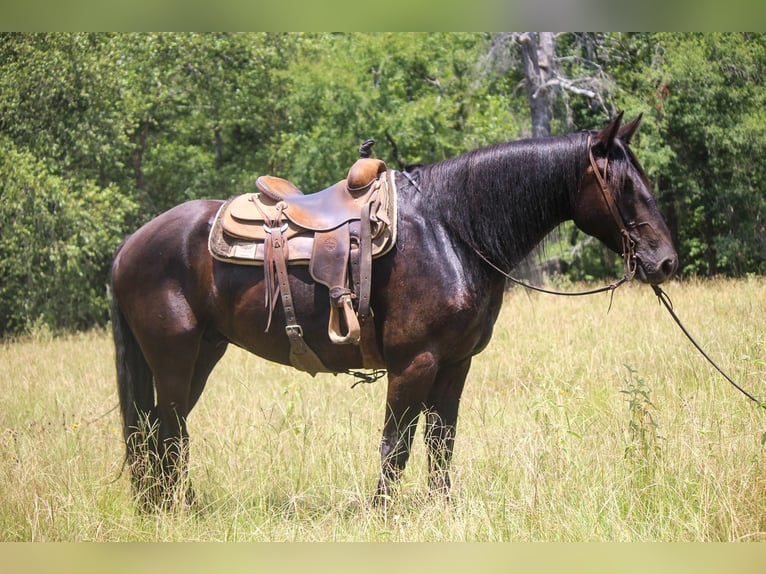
{"type": "Point", "coordinates": [576, 425]}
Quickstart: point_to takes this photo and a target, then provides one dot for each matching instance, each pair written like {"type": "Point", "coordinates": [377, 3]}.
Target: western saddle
{"type": "Point", "coordinates": [336, 232]}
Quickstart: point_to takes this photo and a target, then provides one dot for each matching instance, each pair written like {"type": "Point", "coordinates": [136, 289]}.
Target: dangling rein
{"type": "Point", "coordinates": [629, 258]}
{"type": "Point", "coordinates": [661, 295]}
{"type": "Point", "coordinates": [665, 300]}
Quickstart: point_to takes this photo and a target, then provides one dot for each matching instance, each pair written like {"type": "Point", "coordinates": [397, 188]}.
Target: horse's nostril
{"type": "Point", "coordinates": [669, 266]}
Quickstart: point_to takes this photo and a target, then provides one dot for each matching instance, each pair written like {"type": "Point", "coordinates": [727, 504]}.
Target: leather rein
{"type": "Point", "coordinates": [630, 266]}
{"type": "Point", "coordinates": [628, 245]}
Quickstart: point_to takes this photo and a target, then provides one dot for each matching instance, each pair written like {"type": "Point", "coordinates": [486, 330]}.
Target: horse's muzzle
{"type": "Point", "coordinates": [656, 272]}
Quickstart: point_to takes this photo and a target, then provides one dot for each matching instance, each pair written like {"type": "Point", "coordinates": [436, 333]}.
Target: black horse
{"type": "Point", "coordinates": [435, 296]}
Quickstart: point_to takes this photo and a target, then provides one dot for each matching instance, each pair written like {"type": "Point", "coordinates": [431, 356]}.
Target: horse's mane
{"type": "Point", "coordinates": [503, 199]}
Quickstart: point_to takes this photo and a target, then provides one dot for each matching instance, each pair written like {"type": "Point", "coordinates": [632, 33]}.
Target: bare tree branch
{"type": "Point", "coordinates": [543, 78]}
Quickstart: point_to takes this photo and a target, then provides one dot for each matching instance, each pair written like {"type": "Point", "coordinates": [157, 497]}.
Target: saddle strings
{"type": "Point", "coordinates": [270, 271]}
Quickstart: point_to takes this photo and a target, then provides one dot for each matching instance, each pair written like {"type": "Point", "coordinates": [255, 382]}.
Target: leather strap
{"type": "Point", "coordinates": [628, 245]}
{"type": "Point", "coordinates": [361, 273]}
{"type": "Point", "coordinates": [665, 300]}
{"type": "Point", "coordinates": [368, 346]}
{"type": "Point", "coordinates": [365, 261]}
{"type": "Point", "coordinates": [301, 355]}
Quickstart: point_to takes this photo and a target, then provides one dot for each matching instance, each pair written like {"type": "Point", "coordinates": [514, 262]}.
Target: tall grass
{"type": "Point", "coordinates": [576, 425]}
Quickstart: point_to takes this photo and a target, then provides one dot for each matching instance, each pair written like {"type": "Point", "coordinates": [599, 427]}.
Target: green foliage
{"type": "Point", "coordinates": [117, 128]}
{"type": "Point", "coordinates": [56, 243]}
{"type": "Point", "coordinates": [418, 95]}
{"type": "Point", "coordinates": [706, 136]}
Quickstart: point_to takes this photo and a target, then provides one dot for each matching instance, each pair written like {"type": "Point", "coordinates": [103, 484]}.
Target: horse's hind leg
{"type": "Point", "coordinates": [210, 352]}
{"type": "Point", "coordinates": [186, 365]}
{"type": "Point", "coordinates": [441, 420]}
{"type": "Point", "coordinates": [173, 363]}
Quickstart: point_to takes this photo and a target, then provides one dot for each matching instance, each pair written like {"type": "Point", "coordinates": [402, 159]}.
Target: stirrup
{"type": "Point", "coordinates": [353, 330]}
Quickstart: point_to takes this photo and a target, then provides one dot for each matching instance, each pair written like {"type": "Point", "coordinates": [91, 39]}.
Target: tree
{"type": "Point", "coordinates": [419, 96]}
{"type": "Point", "coordinates": [708, 104]}
{"type": "Point", "coordinates": [555, 68]}
{"type": "Point", "coordinates": [57, 239]}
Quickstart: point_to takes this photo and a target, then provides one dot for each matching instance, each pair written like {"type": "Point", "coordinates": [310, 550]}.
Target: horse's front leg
{"type": "Point", "coordinates": [407, 392]}
{"type": "Point", "coordinates": [441, 423]}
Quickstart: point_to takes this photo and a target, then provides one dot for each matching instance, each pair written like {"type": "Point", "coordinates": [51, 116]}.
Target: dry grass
{"type": "Point", "coordinates": [576, 424]}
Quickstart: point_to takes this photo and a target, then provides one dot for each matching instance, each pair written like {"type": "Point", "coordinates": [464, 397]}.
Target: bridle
{"type": "Point", "coordinates": [630, 261]}
{"type": "Point", "coordinates": [630, 266]}
{"type": "Point", "coordinates": [628, 245]}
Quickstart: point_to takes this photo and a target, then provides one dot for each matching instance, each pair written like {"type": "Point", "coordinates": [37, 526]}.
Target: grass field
{"type": "Point", "coordinates": [576, 425]}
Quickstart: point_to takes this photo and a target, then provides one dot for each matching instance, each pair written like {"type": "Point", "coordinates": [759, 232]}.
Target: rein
{"type": "Point", "coordinates": [611, 287]}
{"type": "Point", "coordinates": [630, 266]}
{"type": "Point", "coordinates": [665, 300]}
{"type": "Point", "coordinates": [628, 245]}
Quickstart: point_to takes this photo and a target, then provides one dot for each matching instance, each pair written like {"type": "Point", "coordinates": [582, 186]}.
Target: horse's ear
{"type": "Point", "coordinates": [605, 137]}
{"type": "Point", "coordinates": [626, 132]}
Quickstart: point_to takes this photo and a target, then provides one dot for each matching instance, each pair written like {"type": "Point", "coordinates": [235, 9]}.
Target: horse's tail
{"type": "Point", "coordinates": [134, 377]}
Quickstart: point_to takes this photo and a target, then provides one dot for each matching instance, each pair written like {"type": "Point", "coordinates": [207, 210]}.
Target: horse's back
{"type": "Point", "coordinates": [161, 237]}
{"type": "Point", "coordinates": [162, 254]}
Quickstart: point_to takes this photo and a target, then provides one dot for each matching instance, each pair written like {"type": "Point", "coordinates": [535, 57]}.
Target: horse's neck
{"type": "Point", "coordinates": [503, 201]}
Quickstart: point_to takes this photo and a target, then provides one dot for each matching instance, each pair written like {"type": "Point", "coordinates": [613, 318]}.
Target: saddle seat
{"type": "Point", "coordinates": [361, 175]}
{"type": "Point", "coordinates": [320, 211]}
{"type": "Point", "coordinates": [336, 232]}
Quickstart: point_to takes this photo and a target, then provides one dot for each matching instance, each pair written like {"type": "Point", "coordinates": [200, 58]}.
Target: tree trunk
{"type": "Point", "coordinates": [537, 51]}
{"type": "Point", "coordinates": [218, 148]}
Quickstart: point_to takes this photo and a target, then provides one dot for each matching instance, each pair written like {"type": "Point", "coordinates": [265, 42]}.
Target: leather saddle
{"type": "Point", "coordinates": [336, 232]}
